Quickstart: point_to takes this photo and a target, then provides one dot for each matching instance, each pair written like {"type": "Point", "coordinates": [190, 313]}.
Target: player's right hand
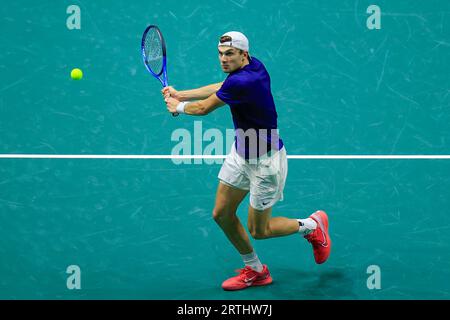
{"type": "Point", "coordinates": [170, 92]}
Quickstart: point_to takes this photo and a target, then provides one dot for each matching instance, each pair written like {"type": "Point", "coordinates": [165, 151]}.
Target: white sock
{"type": "Point", "coordinates": [252, 260]}
{"type": "Point", "coordinates": [306, 226]}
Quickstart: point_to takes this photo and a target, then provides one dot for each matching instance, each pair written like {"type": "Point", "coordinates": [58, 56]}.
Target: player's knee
{"type": "Point", "coordinates": [221, 214]}
{"type": "Point", "coordinates": [258, 234]}
{"type": "Point", "coordinates": [217, 214]}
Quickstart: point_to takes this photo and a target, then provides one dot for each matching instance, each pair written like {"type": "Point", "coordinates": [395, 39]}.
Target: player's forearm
{"type": "Point", "coordinates": [200, 93]}
{"type": "Point", "coordinates": [196, 108]}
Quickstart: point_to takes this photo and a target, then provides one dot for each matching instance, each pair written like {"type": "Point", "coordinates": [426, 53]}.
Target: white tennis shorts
{"type": "Point", "coordinates": [264, 178]}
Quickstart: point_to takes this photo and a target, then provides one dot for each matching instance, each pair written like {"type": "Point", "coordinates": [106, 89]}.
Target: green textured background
{"type": "Point", "coordinates": [142, 229]}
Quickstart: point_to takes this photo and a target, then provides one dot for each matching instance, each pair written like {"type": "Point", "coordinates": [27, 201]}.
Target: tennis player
{"type": "Point", "coordinates": [256, 164]}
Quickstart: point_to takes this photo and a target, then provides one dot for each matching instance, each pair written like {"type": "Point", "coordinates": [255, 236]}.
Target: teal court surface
{"type": "Point", "coordinates": [142, 228]}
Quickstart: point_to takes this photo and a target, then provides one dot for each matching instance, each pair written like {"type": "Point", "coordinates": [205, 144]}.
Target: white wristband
{"type": "Point", "coordinates": [181, 106]}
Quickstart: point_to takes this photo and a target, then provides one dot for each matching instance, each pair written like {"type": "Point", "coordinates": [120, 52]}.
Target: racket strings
{"type": "Point", "coordinates": [153, 51]}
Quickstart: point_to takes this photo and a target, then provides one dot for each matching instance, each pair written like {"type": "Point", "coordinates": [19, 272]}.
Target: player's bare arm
{"type": "Point", "coordinates": [194, 94]}
{"type": "Point", "coordinates": [196, 108]}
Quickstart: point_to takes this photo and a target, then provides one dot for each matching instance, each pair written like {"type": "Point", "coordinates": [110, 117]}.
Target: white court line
{"type": "Point", "coordinates": [165, 156]}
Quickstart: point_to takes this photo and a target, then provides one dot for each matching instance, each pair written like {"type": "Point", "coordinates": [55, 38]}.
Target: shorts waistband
{"type": "Point", "coordinates": [265, 156]}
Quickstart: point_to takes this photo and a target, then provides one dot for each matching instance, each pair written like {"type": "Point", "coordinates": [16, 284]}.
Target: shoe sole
{"type": "Point", "coordinates": [264, 282]}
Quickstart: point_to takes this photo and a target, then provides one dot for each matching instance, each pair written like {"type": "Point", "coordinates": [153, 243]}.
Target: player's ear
{"type": "Point", "coordinates": [245, 54]}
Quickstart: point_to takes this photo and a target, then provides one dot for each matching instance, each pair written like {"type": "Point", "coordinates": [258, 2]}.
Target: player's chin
{"type": "Point", "coordinates": [226, 69]}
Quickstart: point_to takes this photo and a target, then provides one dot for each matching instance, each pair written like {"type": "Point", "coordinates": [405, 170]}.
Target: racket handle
{"type": "Point", "coordinates": [175, 114]}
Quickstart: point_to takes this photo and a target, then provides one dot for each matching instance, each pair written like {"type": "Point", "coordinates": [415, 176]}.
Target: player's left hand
{"type": "Point", "coordinates": [171, 104]}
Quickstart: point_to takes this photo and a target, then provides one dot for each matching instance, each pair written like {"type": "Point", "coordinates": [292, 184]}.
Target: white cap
{"type": "Point", "coordinates": [236, 40]}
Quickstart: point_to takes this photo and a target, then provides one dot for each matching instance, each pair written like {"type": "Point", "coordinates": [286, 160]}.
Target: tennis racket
{"type": "Point", "coordinates": [153, 49]}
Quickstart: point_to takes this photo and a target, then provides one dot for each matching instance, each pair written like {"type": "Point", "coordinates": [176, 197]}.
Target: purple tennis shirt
{"type": "Point", "coordinates": [247, 91]}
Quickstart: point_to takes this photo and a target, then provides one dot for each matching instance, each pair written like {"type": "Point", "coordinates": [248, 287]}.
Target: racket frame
{"type": "Point", "coordinates": [163, 72]}
{"type": "Point", "coordinates": [162, 75]}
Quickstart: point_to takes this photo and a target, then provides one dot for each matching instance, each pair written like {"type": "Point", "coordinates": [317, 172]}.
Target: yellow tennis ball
{"type": "Point", "coordinates": [76, 74]}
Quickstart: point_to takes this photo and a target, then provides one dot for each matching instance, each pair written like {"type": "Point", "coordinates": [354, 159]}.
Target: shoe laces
{"type": "Point", "coordinates": [246, 272]}
{"type": "Point", "coordinates": [313, 237]}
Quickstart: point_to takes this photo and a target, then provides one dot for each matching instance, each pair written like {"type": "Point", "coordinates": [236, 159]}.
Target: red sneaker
{"type": "Point", "coordinates": [319, 238]}
{"type": "Point", "coordinates": [248, 277]}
